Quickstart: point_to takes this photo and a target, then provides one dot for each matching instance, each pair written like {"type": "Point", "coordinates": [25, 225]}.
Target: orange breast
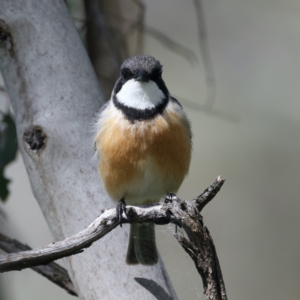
{"type": "Point", "coordinates": [125, 150]}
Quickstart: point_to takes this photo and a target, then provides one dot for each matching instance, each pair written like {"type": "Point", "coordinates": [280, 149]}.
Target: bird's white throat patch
{"type": "Point", "coordinates": [140, 95]}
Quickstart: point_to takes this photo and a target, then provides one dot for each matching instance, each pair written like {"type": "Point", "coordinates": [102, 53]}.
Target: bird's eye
{"type": "Point", "coordinates": [126, 74]}
{"type": "Point", "coordinates": [156, 75]}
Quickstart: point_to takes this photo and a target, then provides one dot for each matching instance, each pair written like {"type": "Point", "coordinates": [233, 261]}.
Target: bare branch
{"type": "Point", "coordinates": [209, 193]}
{"type": "Point", "coordinates": [185, 214]}
{"type": "Point", "coordinates": [75, 244]}
{"type": "Point", "coordinates": [52, 271]}
{"type": "Point", "coordinates": [172, 45]}
{"type": "Point", "coordinates": [213, 111]}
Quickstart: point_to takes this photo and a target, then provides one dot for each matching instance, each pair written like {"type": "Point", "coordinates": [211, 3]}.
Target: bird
{"type": "Point", "coordinates": [144, 143]}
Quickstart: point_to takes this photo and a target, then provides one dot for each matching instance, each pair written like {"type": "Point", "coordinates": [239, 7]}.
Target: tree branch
{"type": "Point", "coordinates": [208, 69]}
{"type": "Point", "coordinates": [209, 193]}
{"type": "Point", "coordinates": [187, 53]}
{"type": "Point", "coordinates": [185, 214]}
{"type": "Point", "coordinates": [52, 271]}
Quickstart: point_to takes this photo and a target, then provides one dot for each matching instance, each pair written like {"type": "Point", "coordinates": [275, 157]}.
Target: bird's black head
{"type": "Point", "coordinates": [140, 92]}
{"type": "Point", "coordinates": [141, 68]}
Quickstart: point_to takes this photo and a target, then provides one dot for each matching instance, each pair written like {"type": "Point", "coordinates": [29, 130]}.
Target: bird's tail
{"type": "Point", "coordinates": [142, 246]}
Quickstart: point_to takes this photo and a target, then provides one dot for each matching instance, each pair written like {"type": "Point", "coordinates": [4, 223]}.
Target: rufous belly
{"type": "Point", "coordinates": [143, 161]}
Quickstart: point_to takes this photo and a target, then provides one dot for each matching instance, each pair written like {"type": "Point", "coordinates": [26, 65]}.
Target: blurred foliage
{"type": "Point", "coordinates": [8, 149]}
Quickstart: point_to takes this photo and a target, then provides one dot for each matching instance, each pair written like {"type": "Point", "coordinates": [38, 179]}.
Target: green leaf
{"type": "Point", "coordinates": [8, 149]}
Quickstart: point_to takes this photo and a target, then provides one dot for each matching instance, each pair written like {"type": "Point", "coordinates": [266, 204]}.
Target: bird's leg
{"type": "Point", "coordinates": [121, 207]}
{"type": "Point", "coordinates": [169, 200]}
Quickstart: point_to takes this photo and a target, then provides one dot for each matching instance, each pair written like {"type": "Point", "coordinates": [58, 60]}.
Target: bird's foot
{"type": "Point", "coordinates": [170, 197]}
{"type": "Point", "coordinates": [121, 207]}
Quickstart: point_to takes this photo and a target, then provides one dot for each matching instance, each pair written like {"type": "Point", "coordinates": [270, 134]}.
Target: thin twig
{"type": "Point", "coordinates": [51, 271]}
{"type": "Point", "coordinates": [208, 69]}
{"type": "Point", "coordinates": [209, 193]}
{"type": "Point", "coordinates": [212, 111]}
{"type": "Point", "coordinates": [172, 45]}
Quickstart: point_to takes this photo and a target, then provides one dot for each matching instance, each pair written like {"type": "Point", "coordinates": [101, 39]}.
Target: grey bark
{"type": "Point", "coordinates": [55, 95]}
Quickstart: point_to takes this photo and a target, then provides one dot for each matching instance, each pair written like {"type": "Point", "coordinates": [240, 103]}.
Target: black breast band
{"type": "Point", "coordinates": [134, 114]}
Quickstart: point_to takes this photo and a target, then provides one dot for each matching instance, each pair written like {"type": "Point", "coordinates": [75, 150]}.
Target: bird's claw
{"type": "Point", "coordinates": [169, 197]}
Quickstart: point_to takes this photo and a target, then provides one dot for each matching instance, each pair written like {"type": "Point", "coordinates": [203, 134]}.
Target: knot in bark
{"type": "Point", "coordinates": [35, 139]}
{"type": "Point", "coordinates": [5, 36]}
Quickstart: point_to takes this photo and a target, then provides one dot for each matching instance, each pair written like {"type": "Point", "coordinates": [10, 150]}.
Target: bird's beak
{"type": "Point", "coordinates": [142, 76]}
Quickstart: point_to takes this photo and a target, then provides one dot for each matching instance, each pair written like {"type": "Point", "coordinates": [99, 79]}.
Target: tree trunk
{"type": "Point", "coordinates": [55, 95]}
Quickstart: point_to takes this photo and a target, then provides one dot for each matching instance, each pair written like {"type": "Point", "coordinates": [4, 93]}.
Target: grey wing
{"type": "Point", "coordinates": [175, 101]}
